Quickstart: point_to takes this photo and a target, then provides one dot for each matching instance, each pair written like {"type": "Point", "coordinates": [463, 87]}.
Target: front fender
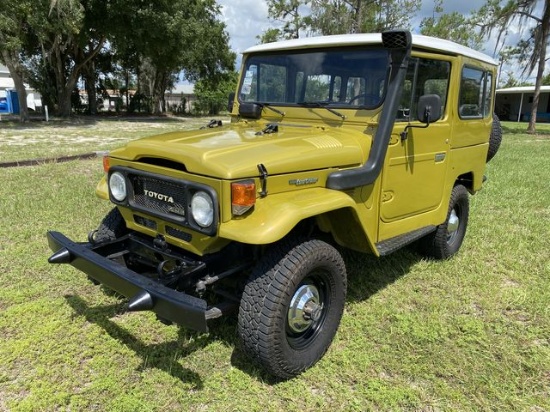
{"type": "Point", "coordinates": [102, 189]}
{"type": "Point", "coordinates": [276, 215]}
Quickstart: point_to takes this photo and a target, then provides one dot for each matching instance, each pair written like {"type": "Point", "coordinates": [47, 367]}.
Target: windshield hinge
{"type": "Point", "coordinates": [212, 123]}
{"type": "Point", "coordinates": [270, 128]}
{"type": "Point", "coordinates": [263, 179]}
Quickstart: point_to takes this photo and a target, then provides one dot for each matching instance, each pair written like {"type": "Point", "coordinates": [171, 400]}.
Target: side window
{"type": "Point", "coordinates": [424, 76]}
{"type": "Point", "coordinates": [476, 92]}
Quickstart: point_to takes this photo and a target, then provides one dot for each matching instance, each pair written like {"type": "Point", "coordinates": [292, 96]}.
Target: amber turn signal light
{"type": "Point", "coordinates": [243, 196]}
{"type": "Point", "coordinates": [106, 164]}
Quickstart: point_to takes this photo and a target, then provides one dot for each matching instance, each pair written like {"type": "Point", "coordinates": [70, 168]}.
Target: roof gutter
{"type": "Point", "coordinates": [399, 42]}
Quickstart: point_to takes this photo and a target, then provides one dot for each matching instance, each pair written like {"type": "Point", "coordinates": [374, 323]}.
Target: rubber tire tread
{"type": "Point", "coordinates": [264, 305]}
{"type": "Point", "coordinates": [435, 244]}
{"type": "Point", "coordinates": [111, 227]}
{"type": "Point", "coordinates": [495, 139]}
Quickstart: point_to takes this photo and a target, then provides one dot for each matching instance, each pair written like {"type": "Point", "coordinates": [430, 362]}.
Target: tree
{"type": "Point", "coordinates": [327, 17]}
{"type": "Point", "coordinates": [451, 26]}
{"type": "Point", "coordinates": [270, 35]}
{"type": "Point", "coordinates": [212, 97]}
{"type": "Point", "coordinates": [67, 41]}
{"type": "Point", "coordinates": [169, 37]}
{"type": "Point", "coordinates": [287, 12]}
{"type": "Point", "coordinates": [59, 41]}
{"type": "Point", "coordinates": [494, 16]}
{"type": "Point", "coordinates": [13, 31]}
{"type": "Point", "coordinates": [361, 16]}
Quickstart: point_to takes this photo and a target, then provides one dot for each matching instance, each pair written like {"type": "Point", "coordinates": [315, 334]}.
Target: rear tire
{"type": "Point", "coordinates": [292, 305]}
{"type": "Point", "coordinates": [446, 240]}
{"type": "Point", "coordinates": [495, 139]}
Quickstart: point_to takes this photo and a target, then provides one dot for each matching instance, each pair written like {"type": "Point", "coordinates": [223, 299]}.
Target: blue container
{"type": "Point", "coordinates": [10, 103]}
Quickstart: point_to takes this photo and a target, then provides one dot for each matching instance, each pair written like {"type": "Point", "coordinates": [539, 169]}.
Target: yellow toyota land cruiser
{"type": "Point", "coordinates": [366, 141]}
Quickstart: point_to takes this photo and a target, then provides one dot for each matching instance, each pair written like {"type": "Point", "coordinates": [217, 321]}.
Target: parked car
{"type": "Point", "coordinates": [355, 141]}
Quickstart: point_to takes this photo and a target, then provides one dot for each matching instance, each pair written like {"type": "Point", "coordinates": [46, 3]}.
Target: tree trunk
{"type": "Point", "coordinates": [158, 91]}
{"type": "Point", "coordinates": [90, 83]}
{"type": "Point", "coordinates": [66, 83]}
{"type": "Point", "coordinates": [532, 127]}
{"type": "Point", "coordinates": [545, 29]}
{"type": "Point", "coordinates": [16, 72]}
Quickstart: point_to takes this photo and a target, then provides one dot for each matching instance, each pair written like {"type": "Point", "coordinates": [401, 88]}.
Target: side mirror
{"type": "Point", "coordinates": [250, 110]}
{"type": "Point", "coordinates": [428, 111]}
{"type": "Point", "coordinates": [230, 101]}
{"type": "Point", "coordinates": [429, 108]}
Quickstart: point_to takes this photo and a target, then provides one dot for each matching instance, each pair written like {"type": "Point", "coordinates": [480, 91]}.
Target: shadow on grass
{"type": "Point", "coordinates": [367, 275]}
{"type": "Point", "coordinates": [40, 123]}
{"type": "Point", "coordinates": [158, 356]}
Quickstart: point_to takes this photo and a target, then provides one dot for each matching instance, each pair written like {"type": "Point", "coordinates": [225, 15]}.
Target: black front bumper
{"type": "Point", "coordinates": [167, 303]}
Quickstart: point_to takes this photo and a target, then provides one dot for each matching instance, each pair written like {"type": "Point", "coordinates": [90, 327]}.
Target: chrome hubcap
{"type": "Point", "coordinates": [305, 308]}
{"type": "Point", "coordinates": [452, 226]}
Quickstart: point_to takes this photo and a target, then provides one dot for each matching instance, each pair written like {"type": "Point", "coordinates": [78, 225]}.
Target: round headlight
{"type": "Point", "coordinates": [117, 185]}
{"type": "Point", "coordinates": [202, 209]}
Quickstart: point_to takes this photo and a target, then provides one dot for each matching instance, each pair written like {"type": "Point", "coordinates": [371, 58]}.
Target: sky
{"type": "Point", "coordinates": [247, 19]}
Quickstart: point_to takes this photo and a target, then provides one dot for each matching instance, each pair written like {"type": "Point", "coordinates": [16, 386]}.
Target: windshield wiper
{"type": "Point", "coordinates": [323, 105]}
{"type": "Point", "coordinates": [268, 106]}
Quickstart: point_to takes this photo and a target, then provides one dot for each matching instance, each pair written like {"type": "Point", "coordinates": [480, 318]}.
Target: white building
{"type": "Point", "coordinates": [515, 104]}
{"type": "Point", "coordinates": [179, 95]}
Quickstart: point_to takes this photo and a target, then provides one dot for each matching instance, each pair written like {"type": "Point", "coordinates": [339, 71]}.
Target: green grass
{"type": "Point", "coordinates": [471, 333]}
{"type": "Point", "coordinates": [39, 139]}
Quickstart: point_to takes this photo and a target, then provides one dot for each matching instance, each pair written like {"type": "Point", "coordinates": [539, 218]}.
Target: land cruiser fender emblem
{"type": "Point", "coordinates": [158, 196]}
{"type": "Point", "coordinates": [303, 182]}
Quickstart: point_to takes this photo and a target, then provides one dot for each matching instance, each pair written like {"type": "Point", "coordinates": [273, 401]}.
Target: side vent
{"type": "Point", "coordinates": [148, 223]}
{"type": "Point", "coordinates": [186, 237]}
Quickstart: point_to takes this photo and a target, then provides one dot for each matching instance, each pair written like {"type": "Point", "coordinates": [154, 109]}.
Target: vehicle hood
{"type": "Point", "coordinates": [234, 151]}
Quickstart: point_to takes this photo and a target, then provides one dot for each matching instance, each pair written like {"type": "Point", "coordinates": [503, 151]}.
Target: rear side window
{"type": "Point", "coordinates": [424, 76]}
{"type": "Point", "coordinates": [475, 93]}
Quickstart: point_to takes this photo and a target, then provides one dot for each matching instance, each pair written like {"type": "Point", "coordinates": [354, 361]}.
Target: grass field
{"type": "Point", "coordinates": [468, 334]}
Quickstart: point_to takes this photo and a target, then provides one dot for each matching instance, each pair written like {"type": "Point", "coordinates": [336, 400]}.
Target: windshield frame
{"type": "Point", "coordinates": [332, 73]}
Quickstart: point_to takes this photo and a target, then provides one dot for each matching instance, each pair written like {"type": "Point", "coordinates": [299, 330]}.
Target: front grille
{"type": "Point", "coordinates": [165, 199]}
{"type": "Point", "coordinates": [159, 196]}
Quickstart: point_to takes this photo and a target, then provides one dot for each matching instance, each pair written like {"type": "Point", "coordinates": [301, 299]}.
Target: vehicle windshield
{"type": "Point", "coordinates": [344, 77]}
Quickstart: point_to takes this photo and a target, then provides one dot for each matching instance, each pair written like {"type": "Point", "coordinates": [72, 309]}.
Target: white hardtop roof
{"type": "Point", "coordinates": [523, 89]}
{"type": "Point", "coordinates": [419, 42]}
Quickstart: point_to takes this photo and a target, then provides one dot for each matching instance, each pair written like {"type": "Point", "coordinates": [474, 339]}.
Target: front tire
{"type": "Point", "coordinates": [292, 305]}
{"type": "Point", "coordinates": [111, 227]}
{"type": "Point", "coordinates": [446, 240]}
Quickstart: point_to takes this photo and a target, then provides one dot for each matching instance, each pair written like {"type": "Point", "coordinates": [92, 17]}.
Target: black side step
{"type": "Point", "coordinates": [388, 246]}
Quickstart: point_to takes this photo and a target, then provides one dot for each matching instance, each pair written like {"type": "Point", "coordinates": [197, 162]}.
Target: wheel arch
{"type": "Point", "coordinates": [466, 180]}
{"type": "Point", "coordinates": [277, 215]}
